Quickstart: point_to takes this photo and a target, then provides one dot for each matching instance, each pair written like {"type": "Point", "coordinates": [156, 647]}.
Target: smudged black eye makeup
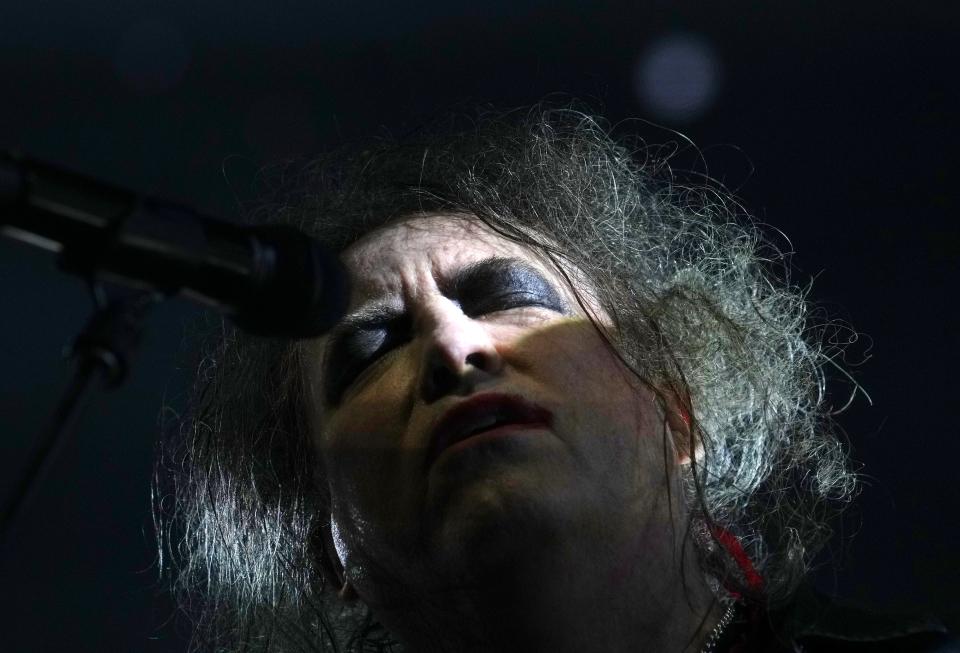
{"type": "Point", "coordinates": [482, 287]}
{"type": "Point", "coordinates": [486, 285]}
{"type": "Point", "coordinates": [357, 346]}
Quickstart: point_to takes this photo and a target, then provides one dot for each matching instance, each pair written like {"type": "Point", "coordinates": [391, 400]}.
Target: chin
{"type": "Point", "coordinates": [493, 522]}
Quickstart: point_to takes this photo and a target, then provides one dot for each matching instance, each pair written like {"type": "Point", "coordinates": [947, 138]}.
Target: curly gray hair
{"type": "Point", "coordinates": [702, 310]}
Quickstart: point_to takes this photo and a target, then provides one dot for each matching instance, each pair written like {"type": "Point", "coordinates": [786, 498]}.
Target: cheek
{"type": "Point", "coordinates": [373, 418]}
{"type": "Point", "coordinates": [576, 362]}
{"type": "Point", "coordinates": [372, 470]}
{"type": "Point", "coordinates": [357, 448]}
{"type": "Point", "coordinates": [611, 417]}
{"type": "Point", "coordinates": [372, 498]}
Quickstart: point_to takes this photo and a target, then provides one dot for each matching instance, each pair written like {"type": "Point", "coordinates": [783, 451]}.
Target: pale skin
{"type": "Point", "coordinates": [559, 539]}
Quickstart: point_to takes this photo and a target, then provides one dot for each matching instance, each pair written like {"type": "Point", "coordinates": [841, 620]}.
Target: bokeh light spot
{"type": "Point", "coordinates": [678, 77]}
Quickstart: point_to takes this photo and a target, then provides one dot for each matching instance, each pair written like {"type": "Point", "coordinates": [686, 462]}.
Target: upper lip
{"type": "Point", "coordinates": [465, 417]}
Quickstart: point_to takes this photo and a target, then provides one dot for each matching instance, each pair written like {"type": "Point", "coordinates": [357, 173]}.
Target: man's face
{"type": "Point", "coordinates": [590, 482]}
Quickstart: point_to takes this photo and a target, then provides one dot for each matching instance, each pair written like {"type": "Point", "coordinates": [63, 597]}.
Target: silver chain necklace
{"type": "Point", "coordinates": [719, 628]}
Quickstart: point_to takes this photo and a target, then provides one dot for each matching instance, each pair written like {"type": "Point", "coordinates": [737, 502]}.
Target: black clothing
{"type": "Point", "coordinates": [815, 623]}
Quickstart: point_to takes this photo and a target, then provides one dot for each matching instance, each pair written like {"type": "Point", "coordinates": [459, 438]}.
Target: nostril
{"type": "Point", "coordinates": [441, 381]}
{"type": "Point", "coordinates": [443, 376]}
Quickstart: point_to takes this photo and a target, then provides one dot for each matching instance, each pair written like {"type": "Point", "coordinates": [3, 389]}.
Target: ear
{"type": "Point", "coordinates": [682, 424]}
{"type": "Point", "coordinates": [331, 565]}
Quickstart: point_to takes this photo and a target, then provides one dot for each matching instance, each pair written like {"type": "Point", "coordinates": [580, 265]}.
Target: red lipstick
{"type": "Point", "coordinates": [483, 414]}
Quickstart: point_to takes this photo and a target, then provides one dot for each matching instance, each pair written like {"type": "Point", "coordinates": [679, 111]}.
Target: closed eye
{"type": "Point", "coordinates": [507, 301]}
{"type": "Point", "coordinates": [370, 348]}
{"type": "Point", "coordinates": [359, 357]}
{"type": "Point", "coordinates": [483, 288]}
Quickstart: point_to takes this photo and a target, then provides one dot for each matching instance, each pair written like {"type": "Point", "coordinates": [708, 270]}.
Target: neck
{"type": "Point", "coordinates": [553, 601]}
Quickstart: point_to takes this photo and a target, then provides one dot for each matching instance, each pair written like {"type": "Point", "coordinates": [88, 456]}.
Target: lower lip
{"type": "Point", "coordinates": [492, 434]}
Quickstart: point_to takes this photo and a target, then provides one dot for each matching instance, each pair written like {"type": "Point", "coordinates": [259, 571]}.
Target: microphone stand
{"type": "Point", "coordinates": [102, 353]}
{"type": "Point", "coordinates": [272, 280]}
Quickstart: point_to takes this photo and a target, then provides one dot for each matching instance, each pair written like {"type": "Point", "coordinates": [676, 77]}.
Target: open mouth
{"type": "Point", "coordinates": [492, 431]}
{"type": "Point", "coordinates": [485, 415]}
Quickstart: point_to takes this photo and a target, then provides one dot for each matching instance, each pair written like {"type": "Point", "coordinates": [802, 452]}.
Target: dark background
{"type": "Point", "coordinates": [834, 122]}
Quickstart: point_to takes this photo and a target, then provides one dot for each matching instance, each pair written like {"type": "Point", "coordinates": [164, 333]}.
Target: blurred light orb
{"type": "Point", "coordinates": [151, 56]}
{"type": "Point", "coordinates": [678, 77]}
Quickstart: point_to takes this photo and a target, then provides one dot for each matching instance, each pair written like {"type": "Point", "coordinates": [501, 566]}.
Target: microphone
{"type": "Point", "coordinates": [272, 280]}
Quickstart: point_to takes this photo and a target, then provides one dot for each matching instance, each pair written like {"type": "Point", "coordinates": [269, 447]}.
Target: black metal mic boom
{"type": "Point", "coordinates": [273, 280]}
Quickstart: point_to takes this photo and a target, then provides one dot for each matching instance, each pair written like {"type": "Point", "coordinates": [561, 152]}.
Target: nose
{"type": "Point", "coordinates": [460, 354]}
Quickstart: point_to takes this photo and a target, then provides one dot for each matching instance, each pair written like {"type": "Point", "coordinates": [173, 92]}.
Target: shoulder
{"type": "Point", "coordinates": [818, 623]}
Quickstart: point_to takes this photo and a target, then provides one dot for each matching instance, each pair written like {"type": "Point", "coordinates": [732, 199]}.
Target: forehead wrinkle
{"type": "Point", "coordinates": [390, 269]}
{"type": "Point", "coordinates": [381, 259]}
